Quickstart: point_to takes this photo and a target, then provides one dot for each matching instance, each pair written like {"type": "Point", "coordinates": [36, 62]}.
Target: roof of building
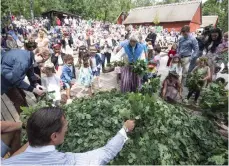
{"type": "Point", "coordinates": [166, 13]}
{"type": "Point", "coordinates": [208, 20]}
{"type": "Point", "coordinates": [59, 12]}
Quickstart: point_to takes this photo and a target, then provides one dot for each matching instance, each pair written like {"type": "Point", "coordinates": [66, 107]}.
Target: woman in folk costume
{"type": "Point", "coordinates": [133, 51]}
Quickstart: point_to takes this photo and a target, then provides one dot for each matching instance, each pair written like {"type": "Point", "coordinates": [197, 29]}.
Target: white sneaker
{"type": "Point", "coordinates": [69, 101]}
{"type": "Point", "coordinates": [100, 86]}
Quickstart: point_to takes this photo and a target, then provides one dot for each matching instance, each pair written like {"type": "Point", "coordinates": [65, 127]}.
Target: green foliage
{"type": "Point", "coordinates": [43, 101]}
{"type": "Point", "coordinates": [215, 101]}
{"type": "Point", "coordinates": [212, 7]}
{"type": "Point", "coordinates": [156, 19]}
{"type": "Point", "coordinates": [139, 67]}
{"type": "Point", "coordinates": [104, 10]}
{"type": "Point", "coordinates": [151, 87]}
{"type": "Point", "coordinates": [164, 134]}
{"type": "Point", "coordinates": [118, 63]}
{"type": "Point", "coordinates": [194, 81]}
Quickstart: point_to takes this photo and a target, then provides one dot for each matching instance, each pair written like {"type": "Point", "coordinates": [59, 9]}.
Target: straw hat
{"type": "Point", "coordinates": [173, 73]}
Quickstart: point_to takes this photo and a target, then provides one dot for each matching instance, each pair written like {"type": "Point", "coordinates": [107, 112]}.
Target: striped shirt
{"type": "Point", "coordinates": [48, 155]}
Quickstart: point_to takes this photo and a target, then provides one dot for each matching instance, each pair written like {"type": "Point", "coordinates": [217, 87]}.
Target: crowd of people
{"type": "Point", "coordinates": [46, 55]}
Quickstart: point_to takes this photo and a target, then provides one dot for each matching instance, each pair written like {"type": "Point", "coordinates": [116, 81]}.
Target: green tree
{"type": "Point", "coordinates": [156, 19]}
{"type": "Point", "coordinates": [213, 7]}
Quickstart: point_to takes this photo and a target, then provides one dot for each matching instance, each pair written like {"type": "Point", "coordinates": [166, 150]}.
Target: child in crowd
{"type": "Point", "coordinates": [57, 58]}
{"type": "Point", "coordinates": [86, 76]}
{"type": "Point", "coordinates": [157, 56]}
{"type": "Point", "coordinates": [175, 64]}
{"type": "Point", "coordinates": [95, 63]}
{"type": "Point", "coordinates": [171, 53]}
{"type": "Point", "coordinates": [51, 82]}
{"type": "Point", "coordinates": [202, 69]}
{"type": "Point", "coordinates": [68, 74]}
{"type": "Point", "coordinates": [171, 87]}
{"type": "Point", "coordinates": [151, 72]}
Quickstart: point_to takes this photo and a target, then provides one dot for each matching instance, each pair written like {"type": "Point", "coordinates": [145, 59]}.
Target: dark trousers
{"type": "Point", "coordinates": [197, 94]}
{"type": "Point", "coordinates": [107, 56]}
{"type": "Point", "coordinates": [38, 72]}
{"type": "Point", "coordinates": [18, 97]}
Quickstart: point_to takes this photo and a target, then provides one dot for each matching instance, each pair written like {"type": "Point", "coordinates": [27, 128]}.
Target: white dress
{"type": "Point", "coordinates": [67, 49]}
{"type": "Point", "coordinates": [52, 84]}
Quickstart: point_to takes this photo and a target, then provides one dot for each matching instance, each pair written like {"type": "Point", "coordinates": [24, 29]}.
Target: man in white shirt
{"type": "Point", "coordinates": [106, 46]}
{"type": "Point", "coordinates": [66, 21]}
{"type": "Point", "coordinates": [46, 129]}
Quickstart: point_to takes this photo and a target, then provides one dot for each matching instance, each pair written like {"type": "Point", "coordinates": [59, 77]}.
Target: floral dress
{"type": "Point", "coordinates": [85, 76]}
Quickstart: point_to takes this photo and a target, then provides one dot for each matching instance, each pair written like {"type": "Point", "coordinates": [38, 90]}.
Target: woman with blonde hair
{"type": "Point", "coordinates": [42, 40]}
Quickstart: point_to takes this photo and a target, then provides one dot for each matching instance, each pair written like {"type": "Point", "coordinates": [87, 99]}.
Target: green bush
{"type": "Point", "coordinates": [164, 133]}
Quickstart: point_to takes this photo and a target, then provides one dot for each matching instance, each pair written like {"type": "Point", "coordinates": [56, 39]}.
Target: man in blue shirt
{"type": "Point", "coordinates": [46, 129]}
{"type": "Point", "coordinates": [187, 50]}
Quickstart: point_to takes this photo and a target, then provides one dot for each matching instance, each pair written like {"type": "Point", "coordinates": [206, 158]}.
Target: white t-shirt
{"type": "Point", "coordinates": [94, 67]}
{"type": "Point", "coordinates": [52, 84]}
{"type": "Point", "coordinates": [60, 60]}
{"type": "Point", "coordinates": [157, 57]}
{"type": "Point", "coordinates": [66, 21]}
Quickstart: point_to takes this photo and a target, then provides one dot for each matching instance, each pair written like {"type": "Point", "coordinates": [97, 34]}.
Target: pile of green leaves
{"type": "Point", "coordinates": [164, 133]}
{"type": "Point", "coordinates": [214, 101]}
{"type": "Point", "coordinates": [194, 81]}
{"type": "Point", "coordinates": [139, 67]}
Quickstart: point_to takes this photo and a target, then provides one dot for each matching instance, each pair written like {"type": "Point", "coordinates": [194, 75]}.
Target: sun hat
{"type": "Point", "coordinates": [173, 73]}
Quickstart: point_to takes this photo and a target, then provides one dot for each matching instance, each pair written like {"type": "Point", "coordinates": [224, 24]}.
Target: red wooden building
{"type": "Point", "coordinates": [170, 16]}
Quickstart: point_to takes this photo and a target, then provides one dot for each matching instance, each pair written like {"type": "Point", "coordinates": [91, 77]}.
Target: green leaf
{"type": "Point", "coordinates": [79, 141]}
{"type": "Point", "coordinates": [88, 116]}
{"type": "Point", "coordinates": [217, 159]}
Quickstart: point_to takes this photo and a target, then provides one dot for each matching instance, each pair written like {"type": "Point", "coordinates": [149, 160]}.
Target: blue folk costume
{"type": "Point", "coordinates": [131, 82]}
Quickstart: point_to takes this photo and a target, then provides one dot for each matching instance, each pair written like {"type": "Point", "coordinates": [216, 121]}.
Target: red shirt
{"type": "Point", "coordinates": [173, 52]}
{"type": "Point", "coordinates": [58, 22]}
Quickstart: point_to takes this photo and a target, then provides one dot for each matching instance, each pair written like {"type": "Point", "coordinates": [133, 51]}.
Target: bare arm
{"type": "Point", "coordinates": [164, 89]}
{"type": "Point", "coordinates": [208, 74]}
{"type": "Point", "coordinates": [8, 126]}
{"type": "Point", "coordinates": [194, 69]}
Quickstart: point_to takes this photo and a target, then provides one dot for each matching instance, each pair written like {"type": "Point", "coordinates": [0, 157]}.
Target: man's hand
{"type": "Point", "coordinates": [40, 87]}
{"type": "Point", "coordinates": [38, 91]}
{"type": "Point", "coordinates": [129, 125]}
